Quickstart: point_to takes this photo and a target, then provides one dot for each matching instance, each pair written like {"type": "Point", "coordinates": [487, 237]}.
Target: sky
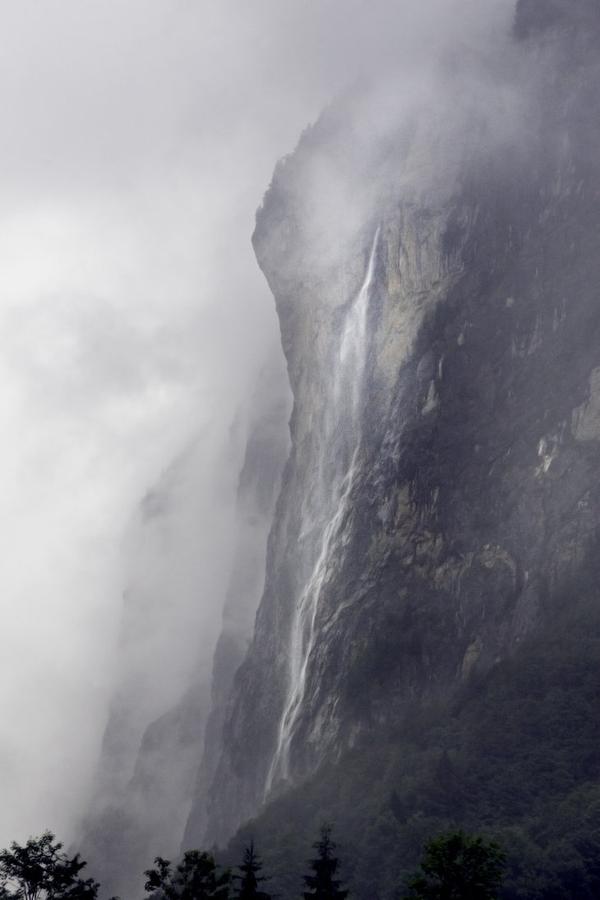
{"type": "Point", "coordinates": [136, 140]}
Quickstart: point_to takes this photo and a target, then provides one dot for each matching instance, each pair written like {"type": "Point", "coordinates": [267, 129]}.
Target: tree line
{"type": "Point", "coordinates": [455, 866]}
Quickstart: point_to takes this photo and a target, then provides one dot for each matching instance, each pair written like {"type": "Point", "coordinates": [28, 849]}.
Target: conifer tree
{"type": "Point", "coordinates": [249, 880]}
{"type": "Point", "coordinates": [322, 884]}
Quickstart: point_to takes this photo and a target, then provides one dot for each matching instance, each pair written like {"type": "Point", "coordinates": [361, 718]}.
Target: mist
{"type": "Point", "coordinates": [136, 143]}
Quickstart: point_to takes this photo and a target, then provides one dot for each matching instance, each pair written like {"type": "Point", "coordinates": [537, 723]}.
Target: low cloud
{"type": "Point", "coordinates": [136, 142]}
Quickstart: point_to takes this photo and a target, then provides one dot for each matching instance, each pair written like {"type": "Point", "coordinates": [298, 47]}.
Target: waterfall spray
{"type": "Point", "coordinates": [342, 416]}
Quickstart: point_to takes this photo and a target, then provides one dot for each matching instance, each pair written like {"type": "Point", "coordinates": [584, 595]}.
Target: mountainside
{"type": "Point", "coordinates": [426, 652]}
{"type": "Point", "coordinates": [189, 591]}
{"type": "Point", "coordinates": [437, 285]}
{"type": "Point", "coordinates": [258, 486]}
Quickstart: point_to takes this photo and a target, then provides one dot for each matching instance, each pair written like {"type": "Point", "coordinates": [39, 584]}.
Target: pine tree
{"type": "Point", "coordinates": [249, 880]}
{"type": "Point", "coordinates": [322, 884]}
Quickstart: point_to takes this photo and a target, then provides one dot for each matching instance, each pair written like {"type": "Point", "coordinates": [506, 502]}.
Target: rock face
{"type": "Point", "coordinates": [124, 832]}
{"type": "Point", "coordinates": [438, 291]}
{"type": "Point", "coordinates": [534, 17]}
{"type": "Point", "coordinates": [259, 484]}
{"type": "Point", "coordinates": [182, 584]}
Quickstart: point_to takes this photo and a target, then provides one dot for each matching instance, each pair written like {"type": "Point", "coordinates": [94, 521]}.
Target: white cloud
{"type": "Point", "coordinates": [136, 140]}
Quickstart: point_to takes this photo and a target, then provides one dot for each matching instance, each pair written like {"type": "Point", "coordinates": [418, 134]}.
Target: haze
{"type": "Point", "coordinates": [136, 142]}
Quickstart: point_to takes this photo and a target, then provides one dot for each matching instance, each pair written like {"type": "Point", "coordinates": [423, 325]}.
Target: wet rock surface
{"type": "Point", "coordinates": [463, 489]}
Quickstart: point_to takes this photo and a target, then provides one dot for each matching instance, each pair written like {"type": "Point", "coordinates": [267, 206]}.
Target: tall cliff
{"type": "Point", "coordinates": [195, 570]}
{"type": "Point", "coordinates": [258, 487]}
{"type": "Point", "coordinates": [436, 274]}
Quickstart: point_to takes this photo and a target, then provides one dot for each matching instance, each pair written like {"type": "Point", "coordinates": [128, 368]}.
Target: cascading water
{"type": "Point", "coordinates": [325, 514]}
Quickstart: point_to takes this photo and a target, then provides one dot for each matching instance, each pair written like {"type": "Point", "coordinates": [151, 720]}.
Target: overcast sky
{"type": "Point", "coordinates": [136, 140]}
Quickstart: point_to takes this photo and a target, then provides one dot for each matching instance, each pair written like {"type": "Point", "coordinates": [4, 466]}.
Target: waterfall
{"type": "Point", "coordinates": [341, 432]}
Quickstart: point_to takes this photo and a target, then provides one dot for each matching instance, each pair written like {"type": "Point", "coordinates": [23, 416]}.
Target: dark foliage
{"type": "Point", "coordinates": [40, 870]}
{"type": "Point", "coordinates": [322, 883]}
{"type": "Point", "coordinates": [195, 878]}
{"type": "Point", "coordinates": [456, 866]}
{"type": "Point", "coordinates": [250, 879]}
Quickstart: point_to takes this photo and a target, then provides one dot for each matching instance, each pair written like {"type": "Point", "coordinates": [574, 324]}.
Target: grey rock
{"type": "Point", "coordinates": [421, 530]}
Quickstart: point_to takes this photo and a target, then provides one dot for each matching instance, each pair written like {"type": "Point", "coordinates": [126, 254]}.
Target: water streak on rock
{"type": "Point", "coordinates": [326, 515]}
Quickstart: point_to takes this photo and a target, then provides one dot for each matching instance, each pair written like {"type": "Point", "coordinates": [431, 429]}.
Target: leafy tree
{"type": "Point", "coordinates": [322, 884]}
{"type": "Point", "coordinates": [40, 870]}
{"type": "Point", "coordinates": [249, 880]}
{"type": "Point", "coordinates": [159, 879]}
{"type": "Point", "coordinates": [456, 866]}
{"type": "Point", "coordinates": [195, 878]}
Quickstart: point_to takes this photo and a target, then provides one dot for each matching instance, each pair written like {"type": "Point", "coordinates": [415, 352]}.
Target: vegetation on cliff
{"type": "Point", "coordinates": [515, 755]}
{"type": "Point", "coordinates": [455, 866]}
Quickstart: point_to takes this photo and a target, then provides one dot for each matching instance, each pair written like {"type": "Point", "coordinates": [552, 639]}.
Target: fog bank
{"type": "Point", "coordinates": [136, 142]}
